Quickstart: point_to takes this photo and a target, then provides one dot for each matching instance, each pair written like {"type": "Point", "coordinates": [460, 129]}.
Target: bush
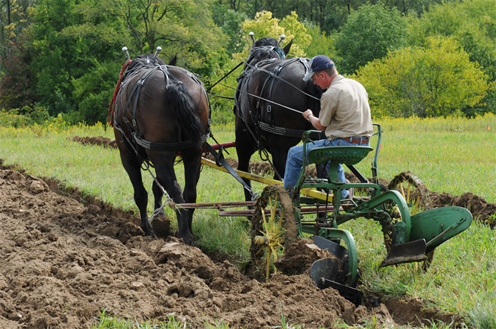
{"type": "Point", "coordinates": [369, 34]}
{"type": "Point", "coordinates": [438, 80]}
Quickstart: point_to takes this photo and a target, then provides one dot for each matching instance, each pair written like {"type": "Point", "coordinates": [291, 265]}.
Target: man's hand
{"type": "Point", "coordinates": [307, 115]}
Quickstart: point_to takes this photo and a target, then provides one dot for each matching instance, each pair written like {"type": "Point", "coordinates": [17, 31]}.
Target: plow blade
{"type": "Point", "coordinates": [335, 272]}
{"type": "Point", "coordinates": [324, 272]}
{"type": "Point", "coordinates": [413, 251]}
{"type": "Point", "coordinates": [333, 247]}
{"type": "Point", "coordinates": [429, 229]}
{"type": "Point", "coordinates": [439, 225]}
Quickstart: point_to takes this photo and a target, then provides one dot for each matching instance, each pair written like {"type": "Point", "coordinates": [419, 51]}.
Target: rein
{"type": "Point", "coordinates": [272, 74]}
{"type": "Point", "coordinates": [225, 76]}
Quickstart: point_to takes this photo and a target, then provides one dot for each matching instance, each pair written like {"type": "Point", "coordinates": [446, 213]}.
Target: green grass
{"type": "Point", "coordinates": [449, 155]}
{"type": "Point", "coordinates": [106, 321]}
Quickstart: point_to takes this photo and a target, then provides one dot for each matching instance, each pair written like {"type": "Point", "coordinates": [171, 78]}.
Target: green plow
{"type": "Point", "coordinates": [429, 229]}
{"type": "Point", "coordinates": [407, 238]}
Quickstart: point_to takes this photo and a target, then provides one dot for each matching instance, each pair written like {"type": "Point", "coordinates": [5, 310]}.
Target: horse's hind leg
{"type": "Point", "coordinates": [245, 147]}
{"type": "Point", "coordinates": [164, 167]}
{"type": "Point", "coordinates": [133, 169]}
{"type": "Point", "coordinates": [158, 195]}
{"type": "Point", "coordinates": [192, 163]}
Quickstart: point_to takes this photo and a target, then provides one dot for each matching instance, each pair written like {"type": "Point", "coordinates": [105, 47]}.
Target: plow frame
{"type": "Point", "coordinates": [407, 238]}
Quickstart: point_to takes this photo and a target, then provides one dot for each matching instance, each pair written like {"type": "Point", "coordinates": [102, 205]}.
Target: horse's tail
{"type": "Point", "coordinates": [183, 107]}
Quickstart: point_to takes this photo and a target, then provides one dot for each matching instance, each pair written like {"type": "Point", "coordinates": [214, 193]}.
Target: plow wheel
{"type": "Point", "coordinates": [413, 190]}
{"type": "Point", "coordinates": [273, 226]}
{"type": "Point", "coordinates": [417, 198]}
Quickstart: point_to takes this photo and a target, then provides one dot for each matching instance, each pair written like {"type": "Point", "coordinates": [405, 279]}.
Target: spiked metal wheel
{"type": "Point", "coordinates": [273, 226]}
{"type": "Point", "coordinates": [413, 190]}
{"type": "Point", "coordinates": [417, 198]}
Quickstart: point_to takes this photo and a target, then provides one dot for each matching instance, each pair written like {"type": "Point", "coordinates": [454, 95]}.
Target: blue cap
{"type": "Point", "coordinates": [318, 63]}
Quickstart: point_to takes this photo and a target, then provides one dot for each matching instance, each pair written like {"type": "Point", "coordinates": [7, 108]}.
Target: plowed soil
{"type": "Point", "coordinates": [64, 258]}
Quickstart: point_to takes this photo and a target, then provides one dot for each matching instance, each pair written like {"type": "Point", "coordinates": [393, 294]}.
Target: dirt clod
{"type": "Point", "coordinates": [62, 262]}
{"type": "Point", "coordinates": [64, 258]}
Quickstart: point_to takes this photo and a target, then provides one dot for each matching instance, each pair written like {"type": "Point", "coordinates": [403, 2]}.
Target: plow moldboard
{"type": "Point", "coordinates": [439, 225]}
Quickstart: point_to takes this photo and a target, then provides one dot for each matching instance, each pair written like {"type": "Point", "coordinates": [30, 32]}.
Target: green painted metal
{"type": "Point", "coordinates": [401, 228]}
{"type": "Point", "coordinates": [412, 236]}
{"type": "Point", "coordinates": [348, 155]}
{"type": "Point", "coordinates": [439, 225]}
{"type": "Point", "coordinates": [338, 234]}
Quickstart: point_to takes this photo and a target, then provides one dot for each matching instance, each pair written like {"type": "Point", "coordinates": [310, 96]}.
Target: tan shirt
{"type": "Point", "coordinates": [345, 110]}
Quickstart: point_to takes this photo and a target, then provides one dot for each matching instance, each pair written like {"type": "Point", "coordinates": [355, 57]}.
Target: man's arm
{"type": "Point", "coordinates": [308, 115]}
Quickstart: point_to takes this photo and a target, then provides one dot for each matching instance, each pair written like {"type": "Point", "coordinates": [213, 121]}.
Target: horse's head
{"type": "Point", "coordinates": [267, 48]}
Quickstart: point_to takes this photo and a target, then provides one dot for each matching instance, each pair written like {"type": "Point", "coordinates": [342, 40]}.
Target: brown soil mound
{"type": "Point", "coordinates": [64, 258]}
{"type": "Point", "coordinates": [99, 140]}
{"type": "Point", "coordinates": [478, 206]}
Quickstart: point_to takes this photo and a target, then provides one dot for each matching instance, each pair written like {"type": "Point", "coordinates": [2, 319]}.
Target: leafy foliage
{"type": "Point", "coordinates": [229, 21]}
{"type": "Point", "coordinates": [15, 76]}
{"type": "Point", "coordinates": [64, 55]}
{"type": "Point", "coordinates": [93, 92]}
{"type": "Point", "coordinates": [26, 116]}
{"type": "Point", "coordinates": [264, 25]}
{"type": "Point", "coordinates": [183, 27]}
{"type": "Point", "coordinates": [472, 23]}
{"type": "Point", "coordinates": [58, 57]}
{"type": "Point", "coordinates": [321, 43]}
{"type": "Point", "coordinates": [369, 34]}
{"type": "Point", "coordinates": [437, 80]}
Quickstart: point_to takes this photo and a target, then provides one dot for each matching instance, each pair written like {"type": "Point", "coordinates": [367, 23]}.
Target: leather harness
{"type": "Point", "coordinates": [169, 78]}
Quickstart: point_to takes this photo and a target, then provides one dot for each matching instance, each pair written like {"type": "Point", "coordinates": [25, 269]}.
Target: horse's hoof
{"type": "Point", "coordinates": [151, 234]}
{"type": "Point", "coordinates": [148, 231]}
{"type": "Point", "coordinates": [189, 240]}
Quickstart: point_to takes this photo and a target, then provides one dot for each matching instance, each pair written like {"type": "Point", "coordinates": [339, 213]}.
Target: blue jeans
{"type": "Point", "coordinates": [294, 162]}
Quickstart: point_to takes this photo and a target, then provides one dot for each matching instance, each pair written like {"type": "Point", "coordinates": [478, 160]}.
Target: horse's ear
{"type": "Point", "coordinates": [173, 61]}
{"type": "Point", "coordinates": [287, 47]}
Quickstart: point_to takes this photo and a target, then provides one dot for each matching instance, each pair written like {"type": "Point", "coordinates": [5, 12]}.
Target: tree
{"type": "Point", "coordinates": [59, 58]}
{"type": "Point", "coordinates": [78, 44]}
{"type": "Point", "coordinates": [321, 43]}
{"type": "Point", "coordinates": [184, 27]}
{"type": "Point", "coordinates": [369, 34]}
{"type": "Point", "coordinates": [435, 80]}
{"type": "Point", "coordinates": [473, 24]}
{"type": "Point", "coordinates": [264, 25]}
{"type": "Point", "coordinates": [230, 21]}
{"type": "Point", "coordinates": [16, 90]}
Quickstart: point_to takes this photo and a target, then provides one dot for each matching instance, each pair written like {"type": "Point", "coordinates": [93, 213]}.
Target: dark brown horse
{"type": "Point", "coordinates": [270, 98]}
{"type": "Point", "coordinates": [160, 111]}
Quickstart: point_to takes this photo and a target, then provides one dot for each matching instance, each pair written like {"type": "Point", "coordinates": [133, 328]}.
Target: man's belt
{"type": "Point", "coordinates": [357, 140]}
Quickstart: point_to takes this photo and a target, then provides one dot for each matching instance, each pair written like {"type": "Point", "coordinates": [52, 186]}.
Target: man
{"type": "Point", "coordinates": [344, 116]}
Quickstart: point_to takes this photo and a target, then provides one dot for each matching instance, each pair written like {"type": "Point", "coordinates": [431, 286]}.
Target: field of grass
{"type": "Point", "coordinates": [449, 155]}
